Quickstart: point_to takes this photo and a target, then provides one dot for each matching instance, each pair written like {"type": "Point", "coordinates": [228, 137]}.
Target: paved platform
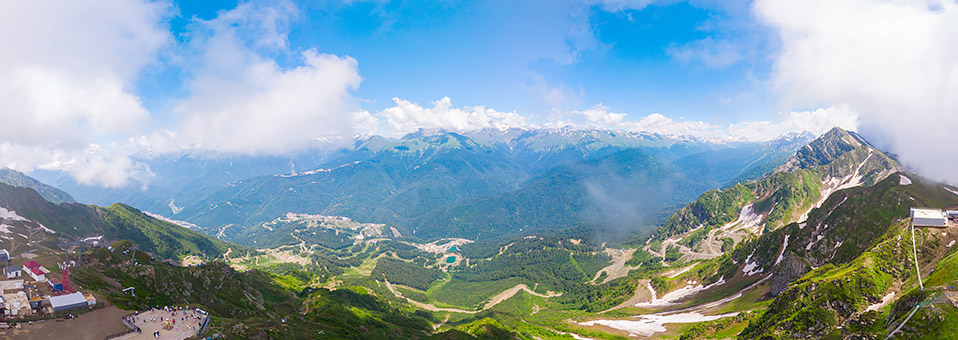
{"type": "Point", "coordinates": [187, 324]}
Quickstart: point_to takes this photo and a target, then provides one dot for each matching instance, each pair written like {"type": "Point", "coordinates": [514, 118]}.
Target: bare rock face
{"type": "Point", "coordinates": [790, 269]}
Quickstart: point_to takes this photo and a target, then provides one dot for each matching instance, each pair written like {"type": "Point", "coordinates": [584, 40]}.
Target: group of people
{"type": "Point", "coordinates": [183, 314]}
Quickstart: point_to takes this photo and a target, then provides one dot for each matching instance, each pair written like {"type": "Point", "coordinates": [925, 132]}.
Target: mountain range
{"type": "Point", "coordinates": [505, 234]}
{"type": "Point", "coordinates": [434, 184]}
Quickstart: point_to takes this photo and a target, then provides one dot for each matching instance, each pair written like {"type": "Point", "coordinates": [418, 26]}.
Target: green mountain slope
{"type": "Point", "coordinates": [71, 222]}
{"type": "Point", "coordinates": [569, 195]}
{"type": "Point", "coordinates": [838, 159]}
{"type": "Point", "coordinates": [50, 193]}
{"type": "Point", "coordinates": [498, 183]}
{"type": "Point", "coordinates": [248, 304]}
{"type": "Point", "coordinates": [852, 252]}
{"type": "Point", "coordinates": [395, 185]}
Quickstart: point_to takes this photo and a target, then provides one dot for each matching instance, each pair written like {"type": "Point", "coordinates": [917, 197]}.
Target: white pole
{"type": "Point", "coordinates": [914, 248]}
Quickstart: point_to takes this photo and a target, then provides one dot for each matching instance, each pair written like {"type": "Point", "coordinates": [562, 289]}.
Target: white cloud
{"type": "Point", "coordinates": [69, 69]}
{"type": "Point", "coordinates": [70, 99]}
{"type": "Point", "coordinates": [365, 122]}
{"type": "Point", "coordinates": [408, 117]}
{"type": "Point", "coordinates": [714, 53]}
{"type": "Point", "coordinates": [893, 62]}
{"type": "Point", "coordinates": [264, 109]}
{"type": "Point", "coordinates": [241, 101]}
{"type": "Point", "coordinates": [817, 122]}
{"type": "Point", "coordinates": [92, 165]}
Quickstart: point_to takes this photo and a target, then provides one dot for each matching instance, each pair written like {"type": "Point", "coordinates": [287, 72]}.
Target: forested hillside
{"type": "Point", "coordinates": [50, 193]}
{"type": "Point", "coordinates": [492, 182]}
{"type": "Point", "coordinates": [74, 221]}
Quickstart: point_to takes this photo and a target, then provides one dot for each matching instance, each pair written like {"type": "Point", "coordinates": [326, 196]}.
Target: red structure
{"type": "Point", "coordinates": [67, 289]}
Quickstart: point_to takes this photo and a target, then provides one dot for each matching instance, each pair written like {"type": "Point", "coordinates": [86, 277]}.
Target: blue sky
{"type": "Point", "coordinates": [88, 84]}
{"type": "Point", "coordinates": [510, 55]}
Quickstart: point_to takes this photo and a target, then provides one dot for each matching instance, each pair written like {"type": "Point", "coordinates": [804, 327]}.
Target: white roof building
{"type": "Point", "coordinates": [928, 217]}
{"type": "Point", "coordinates": [69, 301]}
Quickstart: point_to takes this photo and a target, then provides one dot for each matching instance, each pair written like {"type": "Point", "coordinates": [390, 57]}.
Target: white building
{"type": "Point", "coordinates": [37, 274]}
{"type": "Point", "coordinates": [12, 271]}
{"type": "Point", "coordinates": [928, 218]}
{"type": "Point", "coordinates": [69, 301]}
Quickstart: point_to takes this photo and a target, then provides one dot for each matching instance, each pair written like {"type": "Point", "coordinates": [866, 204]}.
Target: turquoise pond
{"type": "Point", "coordinates": [451, 259]}
{"type": "Point", "coordinates": [453, 248]}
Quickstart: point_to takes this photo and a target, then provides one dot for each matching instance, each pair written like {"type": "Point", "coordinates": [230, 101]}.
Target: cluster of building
{"type": "Point", "coordinates": [36, 295]}
{"type": "Point", "coordinates": [925, 217]}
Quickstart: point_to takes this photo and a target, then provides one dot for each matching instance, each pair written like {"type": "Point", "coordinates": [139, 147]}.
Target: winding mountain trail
{"type": "Point", "coordinates": [426, 306]}
{"type": "Point", "coordinates": [508, 293]}
{"type": "Point", "coordinates": [618, 268]}
{"type": "Point", "coordinates": [495, 300]}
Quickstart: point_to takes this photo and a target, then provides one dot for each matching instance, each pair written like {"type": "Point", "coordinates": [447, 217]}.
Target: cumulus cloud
{"type": "Point", "coordinates": [70, 98]}
{"type": "Point", "coordinates": [408, 117]}
{"type": "Point", "coordinates": [243, 102]}
{"type": "Point", "coordinates": [816, 121]}
{"type": "Point", "coordinates": [68, 81]}
{"type": "Point", "coordinates": [893, 62]}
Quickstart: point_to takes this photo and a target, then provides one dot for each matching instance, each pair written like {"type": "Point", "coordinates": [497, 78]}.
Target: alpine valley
{"type": "Point", "coordinates": [513, 234]}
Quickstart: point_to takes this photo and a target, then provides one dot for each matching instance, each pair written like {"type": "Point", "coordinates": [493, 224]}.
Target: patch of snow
{"type": "Point", "coordinates": [884, 302]}
{"type": "Point", "coordinates": [749, 220]}
{"type": "Point", "coordinates": [678, 294]}
{"type": "Point", "coordinates": [316, 171]}
{"type": "Point", "coordinates": [93, 238]}
{"type": "Point", "coordinates": [835, 184]}
{"type": "Point", "coordinates": [902, 180]}
{"type": "Point", "coordinates": [10, 215]}
{"type": "Point", "coordinates": [782, 254]}
{"type": "Point", "coordinates": [750, 269]}
{"type": "Point", "coordinates": [174, 208]}
{"type": "Point", "coordinates": [949, 190]}
{"type": "Point", "coordinates": [810, 244]}
{"type": "Point", "coordinates": [646, 325]}
{"type": "Point", "coordinates": [5, 229]}
{"type": "Point", "coordinates": [750, 266]}
{"type": "Point", "coordinates": [22, 235]}
{"type": "Point", "coordinates": [574, 336]}
{"type": "Point", "coordinates": [839, 244]}
{"type": "Point", "coordinates": [46, 229]}
{"type": "Point", "coordinates": [950, 244]}
{"type": "Point", "coordinates": [183, 224]}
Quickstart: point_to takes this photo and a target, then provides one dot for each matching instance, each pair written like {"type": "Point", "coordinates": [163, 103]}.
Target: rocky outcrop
{"type": "Point", "coordinates": [790, 269]}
